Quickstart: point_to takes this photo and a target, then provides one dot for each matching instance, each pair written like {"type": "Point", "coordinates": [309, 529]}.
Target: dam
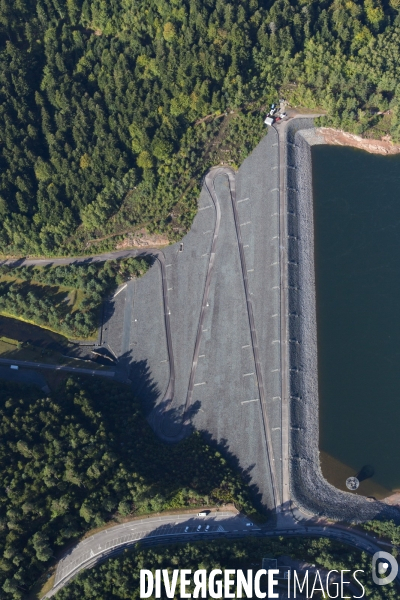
{"type": "Point", "coordinates": [342, 227]}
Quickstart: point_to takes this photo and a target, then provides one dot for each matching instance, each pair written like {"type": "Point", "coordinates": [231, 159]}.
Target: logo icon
{"type": "Point", "coordinates": [383, 562]}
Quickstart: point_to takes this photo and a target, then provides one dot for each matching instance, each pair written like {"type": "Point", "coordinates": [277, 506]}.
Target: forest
{"type": "Point", "coordinates": [385, 529]}
{"type": "Point", "coordinates": [66, 299]}
{"type": "Point", "coordinates": [118, 578]}
{"type": "Point", "coordinates": [85, 456]}
{"type": "Point", "coordinates": [112, 111]}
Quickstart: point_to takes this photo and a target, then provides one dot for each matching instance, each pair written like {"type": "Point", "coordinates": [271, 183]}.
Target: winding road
{"type": "Point", "coordinates": [187, 527]}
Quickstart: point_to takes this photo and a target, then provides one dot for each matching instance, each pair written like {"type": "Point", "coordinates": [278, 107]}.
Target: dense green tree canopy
{"type": "Point", "coordinates": [118, 579]}
{"type": "Point", "coordinates": [99, 100]}
{"type": "Point", "coordinates": [85, 455]}
{"type": "Point", "coordinates": [67, 298]}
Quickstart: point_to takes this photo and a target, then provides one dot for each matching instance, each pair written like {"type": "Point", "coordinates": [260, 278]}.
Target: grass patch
{"type": "Point", "coordinates": [9, 341]}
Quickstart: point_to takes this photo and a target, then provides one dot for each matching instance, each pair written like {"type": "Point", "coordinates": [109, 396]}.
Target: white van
{"type": "Point", "coordinates": [202, 514]}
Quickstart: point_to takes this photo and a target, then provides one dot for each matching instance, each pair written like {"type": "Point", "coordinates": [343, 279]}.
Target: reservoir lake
{"type": "Point", "coordinates": [357, 268]}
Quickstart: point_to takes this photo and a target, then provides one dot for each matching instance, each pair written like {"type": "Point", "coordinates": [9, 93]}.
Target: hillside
{"type": "Point", "coordinates": [85, 456]}
{"type": "Point", "coordinates": [99, 102]}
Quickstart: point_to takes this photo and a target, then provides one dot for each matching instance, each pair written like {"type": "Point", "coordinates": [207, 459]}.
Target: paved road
{"type": "Point", "coordinates": [288, 505]}
{"type": "Point", "coordinates": [42, 262]}
{"type": "Point", "coordinates": [190, 527]}
{"type": "Point", "coordinates": [34, 365]}
{"type": "Point", "coordinates": [209, 183]}
{"type": "Point", "coordinates": [257, 362]}
{"type": "Point", "coordinates": [152, 530]}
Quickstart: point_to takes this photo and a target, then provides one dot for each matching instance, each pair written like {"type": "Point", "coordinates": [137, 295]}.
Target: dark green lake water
{"type": "Point", "coordinates": [357, 257]}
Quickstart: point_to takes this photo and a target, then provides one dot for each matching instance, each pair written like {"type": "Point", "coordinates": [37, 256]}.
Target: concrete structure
{"type": "Point", "coordinates": [352, 483]}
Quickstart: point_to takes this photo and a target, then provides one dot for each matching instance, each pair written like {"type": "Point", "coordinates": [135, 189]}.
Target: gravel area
{"type": "Point", "coordinates": [225, 403]}
{"type": "Point", "coordinates": [134, 331]}
{"type": "Point", "coordinates": [308, 487]}
{"type": "Point", "coordinates": [226, 390]}
{"type": "Point", "coordinates": [257, 180]}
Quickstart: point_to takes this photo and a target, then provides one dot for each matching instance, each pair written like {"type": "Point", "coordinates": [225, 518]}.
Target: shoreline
{"type": "Point", "coordinates": [309, 488]}
{"type": "Point", "coordinates": [338, 137]}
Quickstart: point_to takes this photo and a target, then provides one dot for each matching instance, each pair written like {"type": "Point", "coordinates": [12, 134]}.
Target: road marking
{"type": "Point", "coordinates": [206, 254]}
{"type": "Point", "coordinates": [204, 329]}
{"type": "Point", "coordinates": [204, 207]}
{"type": "Point", "coordinates": [246, 346]}
{"type": "Point", "coordinates": [164, 361]}
{"type": "Point", "coordinates": [170, 265]}
{"type": "Point", "coordinates": [208, 231]}
{"type": "Point", "coordinates": [275, 370]}
{"type": "Point", "coordinates": [243, 224]}
{"type": "Point", "coordinates": [273, 169]}
{"type": "Point", "coordinates": [274, 316]}
{"type": "Point", "coordinates": [246, 246]}
{"type": "Point", "coordinates": [119, 291]}
{"type": "Point", "coordinates": [276, 398]}
{"type": "Point", "coordinates": [250, 270]}
{"type": "Point", "coordinates": [275, 263]}
{"type": "Point", "coordinates": [275, 237]}
{"type": "Point", "coordinates": [169, 289]}
{"type": "Point", "coordinates": [275, 215]}
{"type": "Point", "coordinates": [244, 200]}
{"type": "Point", "coordinates": [276, 287]}
{"type": "Point", "coordinates": [276, 342]}
{"type": "Point", "coordinates": [247, 374]}
{"type": "Point", "coordinates": [247, 401]}
{"type": "Point", "coordinates": [201, 355]}
{"type": "Point", "coordinates": [202, 383]}
{"type": "Point", "coordinates": [275, 428]}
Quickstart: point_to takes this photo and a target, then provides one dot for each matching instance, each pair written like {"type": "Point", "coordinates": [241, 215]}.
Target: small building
{"type": "Point", "coordinates": [269, 121]}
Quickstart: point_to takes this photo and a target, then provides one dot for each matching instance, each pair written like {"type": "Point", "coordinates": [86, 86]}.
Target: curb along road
{"type": "Point", "coordinates": [184, 528]}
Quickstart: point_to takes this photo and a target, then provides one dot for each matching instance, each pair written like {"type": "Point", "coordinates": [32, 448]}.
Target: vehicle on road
{"type": "Point", "coordinates": [202, 514]}
{"type": "Point", "coordinates": [199, 527]}
{"type": "Point", "coordinates": [249, 524]}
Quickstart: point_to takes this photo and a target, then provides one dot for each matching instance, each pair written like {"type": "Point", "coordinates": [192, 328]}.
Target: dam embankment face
{"type": "Point", "coordinates": [343, 327]}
